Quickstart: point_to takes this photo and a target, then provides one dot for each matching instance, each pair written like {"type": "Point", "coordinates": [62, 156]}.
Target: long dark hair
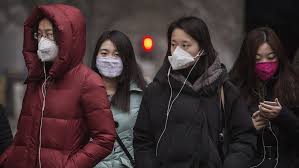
{"type": "Point", "coordinates": [198, 30]}
{"type": "Point", "coordinates": [243, 71]}
{"type": "Point", "coordinates": [131, 70]}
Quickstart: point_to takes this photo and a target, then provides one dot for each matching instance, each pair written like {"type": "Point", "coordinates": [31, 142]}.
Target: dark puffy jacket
{"type": "Point", "coordinates": [77, 127]}
{"type": "Point", "coordinates": [191, 139]}
{"type": "Point", "coordinates": [286, 129]}
{"type": "Point", "coordinates": [5, 131]}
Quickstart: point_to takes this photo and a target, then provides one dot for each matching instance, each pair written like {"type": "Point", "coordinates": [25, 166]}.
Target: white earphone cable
{"type": "Point", "coordinates": [264, 147]}
{"type": "Point", "coordinates": [170, 103]}
{"type": "Point", "coordinates": [44, 93]}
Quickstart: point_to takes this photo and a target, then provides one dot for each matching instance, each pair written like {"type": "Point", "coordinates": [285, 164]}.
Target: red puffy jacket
{"type": "Point", "coordinates": [77, 127]}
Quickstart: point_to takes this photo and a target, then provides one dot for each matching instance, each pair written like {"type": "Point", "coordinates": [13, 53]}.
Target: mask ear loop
{"type": "Point", "coordinates": [170, 103]}
{"type": "Point", "coordinates": [44, 93]}
{"type": "Point", "coordinates": [200, 53]}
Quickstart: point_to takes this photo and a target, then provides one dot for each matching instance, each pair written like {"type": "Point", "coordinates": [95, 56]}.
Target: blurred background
{"type": "Point", "coordinates": [228, 22]}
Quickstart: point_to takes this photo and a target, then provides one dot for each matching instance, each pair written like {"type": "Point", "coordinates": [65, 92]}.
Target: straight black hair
{"type": "Point", "coordinates": [131, 70]}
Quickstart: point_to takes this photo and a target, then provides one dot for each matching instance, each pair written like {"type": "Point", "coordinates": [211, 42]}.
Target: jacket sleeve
{"type": "Point", "coordinates": [143, 142]}
{"type": "Point", "coordinates": [100, 124]}
{"type": "Point", "coordinates": [243, 135]}
{"type": "Point", "coordinates": [289, 122]}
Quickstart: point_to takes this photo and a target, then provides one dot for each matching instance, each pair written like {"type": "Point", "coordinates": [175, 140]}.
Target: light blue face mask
{"type": "Point", "coordinates": [109, 66]}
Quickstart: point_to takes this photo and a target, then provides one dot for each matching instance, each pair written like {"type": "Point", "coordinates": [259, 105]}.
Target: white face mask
{"type": "Point", "coordinates": [181, 59]}
{"type": "Point", "coordinates": [109, 66]}
{"type": "Point", "coordinates": [47, 50]}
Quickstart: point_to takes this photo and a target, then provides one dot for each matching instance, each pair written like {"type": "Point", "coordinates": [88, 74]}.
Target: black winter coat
{"type": "Point", "coordinates": [191, 138]}
{"type": "Point", "coordinates": [5, 131]}
{"type": "Point", "coordinates": [286, 129]}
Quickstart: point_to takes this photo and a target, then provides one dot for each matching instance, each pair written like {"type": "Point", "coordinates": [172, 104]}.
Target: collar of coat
{"type": "Point", "coordinates": [207, 78]}
{"type": "Point", "coordinates": [209, 82]}
{"type": "Point", "coordinates": [134, 87]}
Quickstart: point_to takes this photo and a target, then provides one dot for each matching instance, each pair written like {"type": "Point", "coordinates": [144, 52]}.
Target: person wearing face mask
{"type": "Point", "coordinates": [65, 121]}
{"type": "Point", "coordinates": [270, 86]}
{"type": "Point", "coordinates": [182, 123]}
{"type": "Point", "coordinates": [114, 60]}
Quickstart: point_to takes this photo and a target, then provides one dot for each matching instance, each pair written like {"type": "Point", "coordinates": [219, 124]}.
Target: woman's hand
{"type": "Point", "coordinates": [258, 121]}
{"type": "Point", "coordinates": [269, 109]}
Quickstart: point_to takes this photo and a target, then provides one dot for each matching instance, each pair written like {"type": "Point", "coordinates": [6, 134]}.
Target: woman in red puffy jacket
{"type": "Point", "coordinates": [65, 120]}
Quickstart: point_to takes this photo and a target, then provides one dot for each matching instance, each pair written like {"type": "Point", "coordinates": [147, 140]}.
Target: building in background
{"type": "Point", "coordinates": [281, 16]}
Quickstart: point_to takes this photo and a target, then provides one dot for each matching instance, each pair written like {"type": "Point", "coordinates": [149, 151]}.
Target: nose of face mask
{"type": "Point", "coordinates": [181, 59]}
{"type": "Point", "coordinates": [47, 50]}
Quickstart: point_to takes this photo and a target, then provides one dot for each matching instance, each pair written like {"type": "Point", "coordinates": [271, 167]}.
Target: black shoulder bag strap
{"type": "Point", "coordinates": [121, 144]}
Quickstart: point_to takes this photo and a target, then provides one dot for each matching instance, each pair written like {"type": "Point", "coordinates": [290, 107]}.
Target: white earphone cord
{"type": "Point", "coordinates": [44, 92]}
{"type": "Point", "coordinates": [170, 103]}
{"type": "Point", "coordinates": [264, 148]}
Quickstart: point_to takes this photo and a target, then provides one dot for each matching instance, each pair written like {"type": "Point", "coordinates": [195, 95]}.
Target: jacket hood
{"type": "Point", "coordinates": [71, 31]}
